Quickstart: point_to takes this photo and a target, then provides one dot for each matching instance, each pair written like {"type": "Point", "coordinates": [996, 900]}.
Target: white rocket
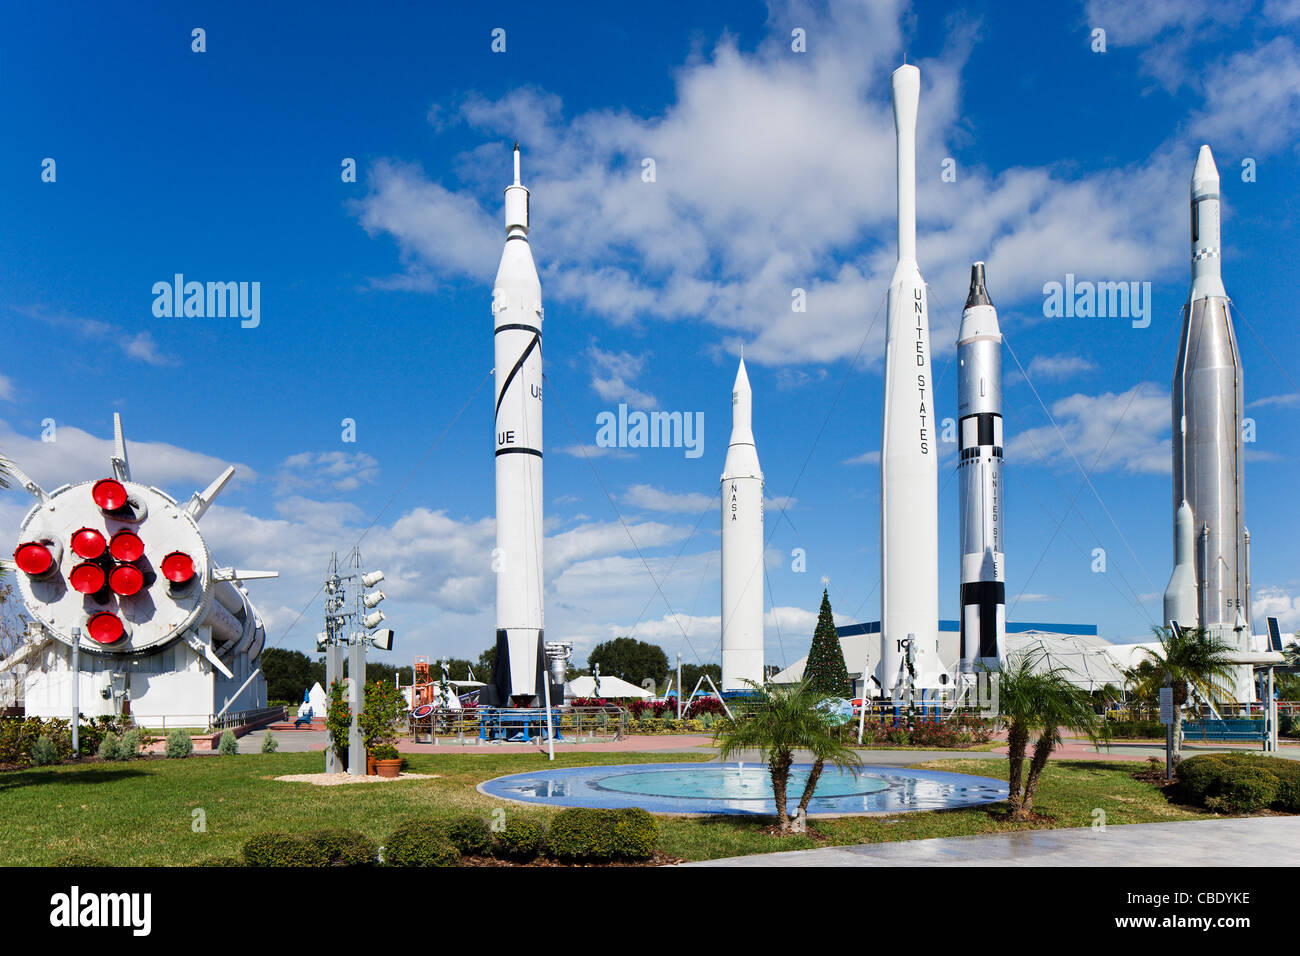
{"type": "Point", "coordinates": [519, 669]}
{"type": "Point", "coordinates": [909, 482]}
{"type": "Point", "coordinates": [979, 423]}
{"type": "Point", "coordinates": [1208, 401]}
{"type": "Point", "coordinates": [742, 546]}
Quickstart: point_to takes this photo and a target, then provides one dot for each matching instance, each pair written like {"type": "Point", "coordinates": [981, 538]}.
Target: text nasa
{"type": "Point", "coordinates": [922, 361]}
{"type": "Point", "coordinates": [74, 909]}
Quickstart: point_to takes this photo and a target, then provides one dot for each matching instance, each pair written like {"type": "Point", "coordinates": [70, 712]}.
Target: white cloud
{"type": "Point", "coordinates": [1286, 400]}
{"type": "Point", "coordinates": [1278, 603]}
{"type": "Point", "coordinates": [1059, 366]}
{"type": "Point", "coordinates": [6, 388]}
{"type": "Point", "coordinates": [336, 470]}
{"type": "Point", "coordinates": [78, 455]}
{"type": "Point", "coordinates": [594, 451]}
{"type": "Point", "coordinates": [804, 134]}
{"type": "Point", "coordinates": [866, 458]}
{"type": "Point", "coordinates": [655, 499]}
{"type": "Point", "coordinates": [613, 374]}
{"type": "Point", "coordinates": [141, 346]}
{"type": "Point", "coordinates": [1129, 430]}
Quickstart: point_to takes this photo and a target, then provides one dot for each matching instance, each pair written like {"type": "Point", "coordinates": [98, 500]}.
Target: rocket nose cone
{"type": "Point", "coordinates": [742, 379]}
{"type": "Point", "coordinates": [978, 294]}
{"type": "Point", "coordinates": [1206, 171]}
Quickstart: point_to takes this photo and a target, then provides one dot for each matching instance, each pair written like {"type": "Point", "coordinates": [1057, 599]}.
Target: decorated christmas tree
{"type": "Point", "coordinates": [825, 670]}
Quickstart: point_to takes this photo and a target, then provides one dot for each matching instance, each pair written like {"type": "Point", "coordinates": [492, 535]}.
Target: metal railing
{"type": "Point", "coordinates": [519, 724]}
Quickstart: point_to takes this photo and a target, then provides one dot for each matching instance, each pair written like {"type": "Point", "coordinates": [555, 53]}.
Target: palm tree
{"type": "Point", "coordinates": [1035, 698]}
{"type": "Point", "coordinates": [776, 721]}
{"type": "Point", "coordinates": [1189, 660]}
{"type": "Point", "coordinates": [1142, 683]}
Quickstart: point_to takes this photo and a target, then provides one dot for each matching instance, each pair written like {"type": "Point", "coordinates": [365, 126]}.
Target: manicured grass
{"type": "Point", "coordinates": [142, 812]}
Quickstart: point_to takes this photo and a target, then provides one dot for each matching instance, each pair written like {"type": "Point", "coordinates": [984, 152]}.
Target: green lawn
{"type": "Point", "coordinates": [142, 812]}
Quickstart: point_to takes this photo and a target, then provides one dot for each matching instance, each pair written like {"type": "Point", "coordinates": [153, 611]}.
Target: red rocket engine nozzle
{"type": "Point", "coordinates": [126, 546]}
{"type": "Point", "coordinates": [88, 543]}
{"type": "Point", "coordinates": [178, 567]}
{"type": "Point", "coordinates": [87, 577]}
{"type": "Point", "coordinates": [126, 579]}
{"type": "Point", "coordinates": [33, 558]}
{"type": "Point", "coordinates": [106, 627]}
{"type": "Point", "coordinates": [109, 494]}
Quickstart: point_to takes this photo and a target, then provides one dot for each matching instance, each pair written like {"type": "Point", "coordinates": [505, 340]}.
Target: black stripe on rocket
{"type": "Point", "coordinates": [980, 436]}
{"type": "Point", "coordinates": [533, 343]}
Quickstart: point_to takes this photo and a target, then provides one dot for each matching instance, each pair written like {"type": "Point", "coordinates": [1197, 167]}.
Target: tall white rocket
{"type": "Point", "coordinates": [983, 604]}
{"type": "Point", "coordinates": [742, 546]}
{"type": "Point", "coordinates": [1208, 403]}
{"type": "Point", "coordinates": [517, 309]}
{"type": "Point", "coordinates": [909, 478]}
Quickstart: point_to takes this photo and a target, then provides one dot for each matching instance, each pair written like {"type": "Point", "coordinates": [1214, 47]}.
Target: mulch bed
{"type": "Point", "coordinates": [659, 859]}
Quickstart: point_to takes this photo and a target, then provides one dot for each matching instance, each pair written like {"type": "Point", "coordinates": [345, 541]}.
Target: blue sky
{"type": "Point", "coordinates": [774, 171]}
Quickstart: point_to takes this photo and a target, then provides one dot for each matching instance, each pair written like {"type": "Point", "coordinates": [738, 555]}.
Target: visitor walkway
{"type": "Point", "coordinates": [1242, 841]}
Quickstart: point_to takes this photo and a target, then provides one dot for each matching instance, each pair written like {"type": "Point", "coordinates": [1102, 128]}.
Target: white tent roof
{"type": "Point", "coordinates": [614, 687]}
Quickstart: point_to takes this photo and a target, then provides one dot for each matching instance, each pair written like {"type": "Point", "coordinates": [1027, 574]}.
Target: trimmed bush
{"type": "Point", "coordinates": [420, 843]}
{"type": "Point", "coordinates": [179, 743]}
{"type": "Point", "coordinates": [228, 746]}
{"type": "Point", "coordinates": [580, 833]}
{"type": "Point", "coordinates": [44, 752]}
{"type": "Point", "coordinates": [108, 748]}
{"type": "Point", "coordinates": [338, 847]}
{"type": "Point", "coordinates": [269, 743]}
{"type": "Point", "coordinates": [1244, 790]}
{"type": "Point", "coordinates": [1136, 729]}
{"type": "Point", "coordinates": [280, 849]}
{"type": "Point", "coordinates": [1240, 782]}
{"type": "Point", "coordinates": [82, 860]}
{"type": "Point", "coordinates": [130, 744]}
{"type": "Point", "coordinates": [521, 840]}
{"type": "Point", "coordinates": [470, 834]}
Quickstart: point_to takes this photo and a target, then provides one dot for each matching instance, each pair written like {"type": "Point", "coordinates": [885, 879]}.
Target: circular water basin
{"type": "Point", "coordinates": [715, 788]}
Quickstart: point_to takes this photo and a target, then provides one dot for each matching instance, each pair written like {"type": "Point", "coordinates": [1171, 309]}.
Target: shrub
{"type": "Point", "coordinates": [338, 847]}
{"type": "Point", "coordinates": [228, 745]}
{"type": "Point", "coordinates": [109, 749]}
{"type": "Point", "coordinates": [280, 849]}
{"type": "Point", "coordinates": [269, 743]}
{"type": "Point", "coordinates": [385, 752]}
{"type": "Point", "coordinates": [580, 833]}
{"type": "Point", "coordinates": [81, 860]}
{"type": "Point", "coordinates": [130, 744]}
{"type": "Point", "coordinates": [469, 834]}
{"type": "Point", "coordinates": [703, 705]}
{"type": "Point", "coordinates": [1136, 729]}
{"type": "Point", "coordinates": [1240, 782]}
{"type": "Point", "coordinates": [1244, 790]}
{"type": "Point", "coordinates": [179, 743]}
{"type": "Point", "coordinates": [44, 752]}
{"type": "Point", "coordinates": [420, 844]}
{"type": "Point", "coordinates": [383, 708]}
{"type": "Point", "coordinates": [521, 840]}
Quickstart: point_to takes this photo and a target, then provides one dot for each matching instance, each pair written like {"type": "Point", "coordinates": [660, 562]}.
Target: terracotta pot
{"type": "Point", "coordinates": [389, 768]}
{"type": "Point", "coordinates": [370, 765]}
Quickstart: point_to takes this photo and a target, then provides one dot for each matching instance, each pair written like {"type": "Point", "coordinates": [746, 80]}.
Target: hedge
{"type": "Point", "coordinates": [328, 847]}
{"type": "Point", "coordinates": [470, 834]}
{"type": "Point", "coordinates": [581, 834]}
{"type": "Point", "coordinates": [520, 840]}
{"type": "Point", "coordinates": [420, 843]}
{"type": "Point", "coordinates": [1240, 782]}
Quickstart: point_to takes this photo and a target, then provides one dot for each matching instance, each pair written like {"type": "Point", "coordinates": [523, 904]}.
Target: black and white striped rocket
{"type": "Point", "coordinates": [979, 472]}
{"type": "Point", "coordinates": [519, 669]}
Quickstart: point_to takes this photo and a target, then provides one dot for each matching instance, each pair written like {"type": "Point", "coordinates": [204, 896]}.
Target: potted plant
{"type": "Point", "coordinates": [388, 762]}
{"type": "Point", "coordinates": [382, 713]}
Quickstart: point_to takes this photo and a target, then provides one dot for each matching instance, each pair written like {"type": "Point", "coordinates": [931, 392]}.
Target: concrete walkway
{"type": "Point", "coordinates": [1251, 841]}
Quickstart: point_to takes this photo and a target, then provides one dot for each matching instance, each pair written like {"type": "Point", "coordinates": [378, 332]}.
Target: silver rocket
{"type": "Point", "coordinates": [979, 424]}
{"type": "Point", "coordinates": [519, 669]}
{"type": "Point", "coordinates": [909, 482]}
{"type": "Point", "coordinates": [1208, 402]}
{"type": "Point", "coordinates": [742, 546]}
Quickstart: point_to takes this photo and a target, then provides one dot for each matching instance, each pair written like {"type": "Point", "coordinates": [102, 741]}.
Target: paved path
{"type": "Point", "coordinates": [1252, 841]}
